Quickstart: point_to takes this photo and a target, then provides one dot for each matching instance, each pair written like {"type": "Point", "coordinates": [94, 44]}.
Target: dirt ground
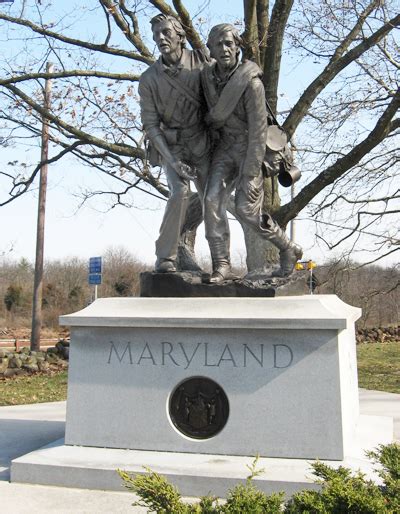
{"type": "Point", "coordinates": [25, 333]}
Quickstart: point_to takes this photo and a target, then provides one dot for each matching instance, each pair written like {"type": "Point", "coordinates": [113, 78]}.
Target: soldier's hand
{"type": "Point", "coordinates": [185, 171]}
{"type": "Point", "coordinates": [253, 192]}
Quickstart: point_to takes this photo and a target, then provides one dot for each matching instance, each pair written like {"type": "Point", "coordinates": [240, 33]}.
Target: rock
{"type": "Point", "coordinates": [25, 350]}
{"type": "Point", "coordinates": [31, 360]}
{"type": "Point", "coordinates": [15, 362]}
{"type": "Point", "coordinates": [3, 353]}
{"type": "Point", "coordinates": [52, 358]}
{"type": "Point", "coordinates": [11, 372]}
{"type": "Point", "coordinates": [43, 365]}
{"type": "Point", "coordinates": [66, 353]}
{"type": "Point", "coordinates": [31, 367]}
{"type": "Point", "coordinates": [60, 347]}
{"type": "Point", "coordinates": [3, 364]}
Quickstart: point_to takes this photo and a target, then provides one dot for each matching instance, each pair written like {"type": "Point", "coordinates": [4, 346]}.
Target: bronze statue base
{"type": "Point", "coordinates": [192, 285]}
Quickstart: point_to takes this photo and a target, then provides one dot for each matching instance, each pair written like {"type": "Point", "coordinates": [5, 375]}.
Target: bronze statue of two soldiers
{"type": "Point", "coordinates": [207, 120]}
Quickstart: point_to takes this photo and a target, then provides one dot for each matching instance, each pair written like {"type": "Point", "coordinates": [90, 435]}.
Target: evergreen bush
{"type": "Point", "coordinates": [341, 492]}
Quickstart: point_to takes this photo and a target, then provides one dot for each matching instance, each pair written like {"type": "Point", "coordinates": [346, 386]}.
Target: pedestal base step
{"type": "Point", "coordinates": [194, 474]}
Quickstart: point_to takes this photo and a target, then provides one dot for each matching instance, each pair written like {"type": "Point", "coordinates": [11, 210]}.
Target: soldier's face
{"type": "Point", "coordinates": [224, 50]}
{"type": "Point", "coordinates": [166, 38]}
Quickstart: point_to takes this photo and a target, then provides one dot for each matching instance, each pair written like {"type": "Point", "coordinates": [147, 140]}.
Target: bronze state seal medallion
{"type": "Point", "coordinates": [199, 408]}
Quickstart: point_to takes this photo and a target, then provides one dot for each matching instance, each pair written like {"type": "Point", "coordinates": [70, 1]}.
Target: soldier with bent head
{"type": "Point", "coordinates": [237, 119]}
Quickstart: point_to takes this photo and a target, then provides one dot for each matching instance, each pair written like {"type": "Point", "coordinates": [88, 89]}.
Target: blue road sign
{"type": "Point", "coordinates": [94, 279]}
{"type": "Point", "coordinates": [95, 265]}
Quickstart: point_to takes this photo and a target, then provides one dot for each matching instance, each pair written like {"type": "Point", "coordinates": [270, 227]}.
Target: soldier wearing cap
{"type": "Point", "coordinates": [237, 118]}
{"type": "Point", "coordinates": [172, 111]}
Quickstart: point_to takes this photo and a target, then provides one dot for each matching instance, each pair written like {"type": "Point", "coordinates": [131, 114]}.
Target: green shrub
{"type": "Point", "coordinates": [389, 458]}
{"type": "Point", "coordinates": [345, 492]}
{"type": "Point", "coordinates": [155, 492]}
{"type": "Point", "coordinates": [159, 496]}
{"type": "Point", "coordinates": [341, 492]}
{"type": "Point", "coordinates": [13, 297]}
{"type": "Point", "coordinates": [247, 498]}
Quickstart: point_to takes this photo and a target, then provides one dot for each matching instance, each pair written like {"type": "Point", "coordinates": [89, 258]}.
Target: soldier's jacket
{"type": "Point", "coordinates": [166, 109]}
{"type": "Point", "coordinates": [237, 111]}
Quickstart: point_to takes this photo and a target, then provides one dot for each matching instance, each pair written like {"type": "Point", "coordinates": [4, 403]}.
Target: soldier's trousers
{"type": "Point", "coordinates": [226, 175]}
{"type": "Point", "coordinates": [175, 210]}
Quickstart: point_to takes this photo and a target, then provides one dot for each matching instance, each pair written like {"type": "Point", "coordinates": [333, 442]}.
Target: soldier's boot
{"type": "Point", "coordinates": [221, 264]}
{"type": "Point", "coordinates": [165, 266]}
{"type": "Point", "coordinates": [289, 252]}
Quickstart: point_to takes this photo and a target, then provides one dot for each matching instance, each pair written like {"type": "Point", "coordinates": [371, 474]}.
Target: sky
{"type": "Point", "coordinates": [88, 230]}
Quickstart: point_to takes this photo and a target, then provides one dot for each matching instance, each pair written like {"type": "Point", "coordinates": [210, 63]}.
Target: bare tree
{"type": "Point", "coordinates": [345, 120]}
{"type": "Point", "coordinates": [374, 288]}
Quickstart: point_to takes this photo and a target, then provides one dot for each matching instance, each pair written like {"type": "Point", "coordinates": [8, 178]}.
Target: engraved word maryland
{"type": "Point", "coordinates": [201, 354]}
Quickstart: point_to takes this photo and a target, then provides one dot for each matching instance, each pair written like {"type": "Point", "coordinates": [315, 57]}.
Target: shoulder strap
{"type": "Point", "coordinates": [232, 92]}
{"type": "Point", "coordinates": [170, 105]}
{"type": "Point", "coordinates": [182, 88]}
{"type": "Point", "coordinates": [209, 89]}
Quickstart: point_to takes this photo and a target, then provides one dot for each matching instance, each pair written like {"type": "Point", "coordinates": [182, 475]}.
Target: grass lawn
{"type": "Point", "coordinates": [34, 389]}
{"type": "Point", "coordinates": [378, 368]}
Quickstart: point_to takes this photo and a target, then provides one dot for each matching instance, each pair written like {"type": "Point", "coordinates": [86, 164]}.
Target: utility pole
{"type": "Point", "coordinates": [38, 281]}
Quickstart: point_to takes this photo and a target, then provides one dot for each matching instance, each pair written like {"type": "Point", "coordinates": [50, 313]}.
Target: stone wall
{"type": "Point", "coordinates": [378, 334]}
{"type": "Point", "coordinates": [26, 361]}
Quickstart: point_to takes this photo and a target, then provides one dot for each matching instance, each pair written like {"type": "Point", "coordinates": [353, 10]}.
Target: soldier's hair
{"type": "Point", "coordinates": [220, 29]}
{"type": "Point", "coordinates": [174, 22]}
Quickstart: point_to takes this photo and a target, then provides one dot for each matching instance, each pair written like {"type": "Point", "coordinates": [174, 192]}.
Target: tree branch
{"type": "Point", "coordinates": [191, 33]}
{"type": "Point", "coordinates": [342, 165]}
{"type": "Point", "coordinates": [69, 73]}
{"type": "Point", "coordinates": [25, 184]}
{"type": "Point", "coordinates": [77, 42]}
{"type": "Point", "coordinates": [132, 37]}
{"type": "Point", "coordinates": [250, 36]}
{"type": "Point", "coordinates": [183, 15]}
{"type": "Point", "coordinates": [273, 53]}
{"type": "Point", "coordinates": [119, 149]}
{"type": "Point", "coordinates": [262, 27]}
{"type": "Point", "coordinates": [145, 176]}
{"type": "Point", "coordinates": [163, 7]}
{"type": "Point", "coordinates": [335, 66]}
{"type": "Point", "coordinates": [109, 31]}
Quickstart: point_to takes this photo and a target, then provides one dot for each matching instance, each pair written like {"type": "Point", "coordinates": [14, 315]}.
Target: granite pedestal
{"type": "Point", "coordinates": [286, 365]}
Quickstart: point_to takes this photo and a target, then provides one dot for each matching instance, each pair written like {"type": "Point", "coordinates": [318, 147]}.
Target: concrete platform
{"type": "Point", "coordinates": [25, 428]}
{"type": "Point", "coordinates": [194, 474]}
